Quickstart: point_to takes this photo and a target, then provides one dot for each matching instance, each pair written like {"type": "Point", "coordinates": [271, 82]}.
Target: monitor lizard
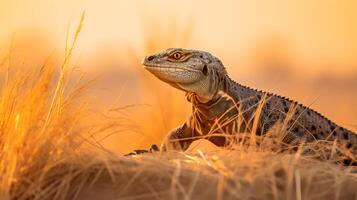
{"type": "Point", "coordinates": [221, 106]}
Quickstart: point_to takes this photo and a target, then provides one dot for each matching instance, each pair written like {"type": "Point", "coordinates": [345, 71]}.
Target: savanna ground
{"type": "Point", "coordinates": [51, 147]}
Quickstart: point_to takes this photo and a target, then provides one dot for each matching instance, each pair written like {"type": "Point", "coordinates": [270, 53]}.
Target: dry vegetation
{"type": "Point", "coordinates": [47, 151]}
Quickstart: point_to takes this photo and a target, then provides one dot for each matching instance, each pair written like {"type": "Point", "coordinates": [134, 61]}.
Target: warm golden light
{"type": "Point", "coordinates": [260, 42]}
{"type": "Point", "coordinates": [70, 85]}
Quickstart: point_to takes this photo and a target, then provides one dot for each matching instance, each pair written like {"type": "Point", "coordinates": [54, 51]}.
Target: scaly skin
{"type": "Point", "coordinates": [222, 106]}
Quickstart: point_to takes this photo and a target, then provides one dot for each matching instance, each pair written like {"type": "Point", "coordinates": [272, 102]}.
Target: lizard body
{"type": "Point", "coordinates": [222, 106]}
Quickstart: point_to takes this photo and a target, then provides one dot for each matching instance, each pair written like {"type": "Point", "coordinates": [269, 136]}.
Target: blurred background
{"type": "Point", "coordinates": [303, 49]}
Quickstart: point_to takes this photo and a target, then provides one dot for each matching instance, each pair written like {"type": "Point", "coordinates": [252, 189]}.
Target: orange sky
{"type": "Point", "coordinates": [320, 33]}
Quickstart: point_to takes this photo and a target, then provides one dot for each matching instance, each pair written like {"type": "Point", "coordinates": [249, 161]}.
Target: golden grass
{"type": "Point", "coordinates": [224, 174]}
{"type": "Point", "coordinates": [48, 151]}
{"type": "Point", "coordinates": [39, 129]}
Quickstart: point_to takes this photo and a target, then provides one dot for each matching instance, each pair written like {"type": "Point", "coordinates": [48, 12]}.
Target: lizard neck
{"type": "Point", "coordinates": [227, 89]}
{"type": "Point", "coordinates": [228, 95]}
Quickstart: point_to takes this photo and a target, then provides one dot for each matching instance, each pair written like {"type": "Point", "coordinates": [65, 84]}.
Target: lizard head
{"type": "Point", "coordinates": [193, 71]}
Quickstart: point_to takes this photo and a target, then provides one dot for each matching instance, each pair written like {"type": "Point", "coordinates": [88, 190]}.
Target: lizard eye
{"type": "Point", "coordinates": [176, 55]}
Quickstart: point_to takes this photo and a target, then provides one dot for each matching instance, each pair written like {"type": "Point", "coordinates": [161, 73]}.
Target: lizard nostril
{"type": "Point", "coordinates": [150, 58]}
{"type": "Point", "coordinates": [205, 70]}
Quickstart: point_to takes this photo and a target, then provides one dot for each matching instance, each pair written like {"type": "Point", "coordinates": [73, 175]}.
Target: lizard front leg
{"type": "Point", "coordinates": [179, 138]}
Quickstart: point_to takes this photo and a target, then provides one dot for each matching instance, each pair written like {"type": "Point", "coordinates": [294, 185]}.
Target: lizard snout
{"type": "Point", "coordinates": [147, 59]}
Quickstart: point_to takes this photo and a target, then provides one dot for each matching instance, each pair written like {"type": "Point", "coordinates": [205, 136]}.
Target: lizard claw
{"type": "Point", "coordinates": [137, 152]}
{"type": "Point", "coordinates": [152, 149]}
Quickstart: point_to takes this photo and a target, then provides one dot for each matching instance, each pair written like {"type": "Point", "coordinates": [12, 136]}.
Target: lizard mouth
{"type": "Point", "coordinates": [158, 67]}
{"type": "Point", "coordinates": [171, 69]}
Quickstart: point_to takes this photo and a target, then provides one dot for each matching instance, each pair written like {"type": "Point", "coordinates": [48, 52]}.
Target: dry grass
{"type": "Point", "coordinates": [47, 151]}
{"type": "Point", "coordinates": [40, 131]}
{"type": "Point", "coordinates": [224, 174]}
